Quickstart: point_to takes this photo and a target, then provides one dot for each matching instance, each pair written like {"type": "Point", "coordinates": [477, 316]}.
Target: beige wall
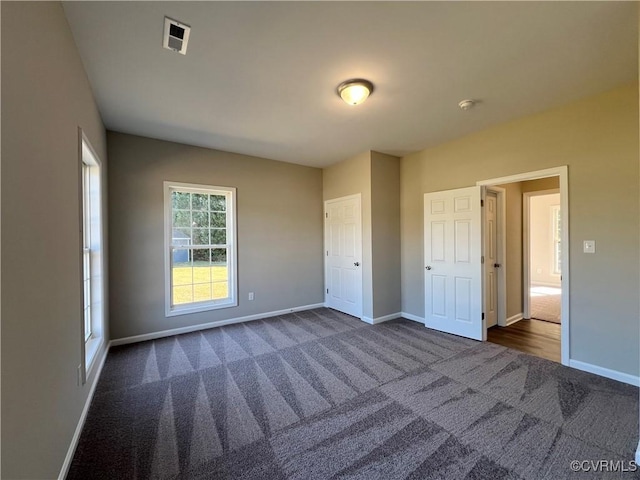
{"type": "Point", "coordinates": [513, 234]}
{"type": "Point", "coordinates": [376, 177]}
{"type": "Point", "coordinates": [45, 98]}
{"type": "Point", "coordinates": [350, 177]}
{"type": "Point", "coordinates": [385, 230]}
{"type": "Point", "coordinates": [598, 139]}
{"type": "Point", "coordinates": [541, 239]}
{"type": "Point", "coordinates": [279, 215]}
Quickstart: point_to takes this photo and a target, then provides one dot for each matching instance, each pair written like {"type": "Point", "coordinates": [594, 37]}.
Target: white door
{"type": "Point", "coordinates": [491, 258]}
{"type": "Point", "coordinates": [453, 269]}
{"type": "Point", "coordinates": [343, 255]}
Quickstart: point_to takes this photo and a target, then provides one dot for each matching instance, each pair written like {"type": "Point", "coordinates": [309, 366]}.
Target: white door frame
{"type": "Point", "coordinates": [325, 249]}
{"type": "Point", "coordinates": [563, 173]}
{"type": "Point", "coordinates": [526, 247]}
{"type": "Point", "coordinates": [502, 254]}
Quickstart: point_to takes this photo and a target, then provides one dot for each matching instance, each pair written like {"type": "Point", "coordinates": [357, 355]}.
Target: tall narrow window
{"type": "Point", "coordinates": [92, 253]}
{"type": "Point", "coordinates": [200, 248]}
{"type": "Point", "coordinates": [556, 225]}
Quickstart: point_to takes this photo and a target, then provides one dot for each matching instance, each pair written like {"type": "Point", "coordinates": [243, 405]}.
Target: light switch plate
{"type": "Point", "coordinates": [589, 246]}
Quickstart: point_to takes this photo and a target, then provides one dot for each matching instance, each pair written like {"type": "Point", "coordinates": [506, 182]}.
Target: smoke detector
{"type": "Point", "coordinates": [466, 104]}
{"type": "Point", "coordinates": [176, 35]}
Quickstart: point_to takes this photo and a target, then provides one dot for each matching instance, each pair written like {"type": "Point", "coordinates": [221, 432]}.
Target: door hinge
{"type": "Point", "coordinates": [483, 315]}
{"type": "Point", "coordinates": [327, 290]}
{"type": "Point", "coordinates": [481, 203]}
{"type": "Point", "coordinates": [326, 215]}
{"type": "Point", "coordinates": [327, 253]}
{"type": "Point", "coordinates": [482, 259]}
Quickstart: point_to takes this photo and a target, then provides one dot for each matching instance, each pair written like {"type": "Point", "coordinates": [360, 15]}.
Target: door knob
{"type": "Point", "coordinates": [428, 267]}
{"type": "Point", "coordinates": [496, 265]}
{"type": "Point", "coordinates": [357, 264]}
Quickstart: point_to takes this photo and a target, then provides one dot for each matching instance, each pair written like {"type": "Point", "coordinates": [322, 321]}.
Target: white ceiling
{"type": "Point", "coordinates": [260, 78]}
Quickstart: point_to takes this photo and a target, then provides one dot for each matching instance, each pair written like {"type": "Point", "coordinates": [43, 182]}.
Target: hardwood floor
{"type": "Point", "coordinates": [536, 337]}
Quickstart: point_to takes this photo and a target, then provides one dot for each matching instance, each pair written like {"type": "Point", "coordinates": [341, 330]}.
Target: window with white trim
{"type": "Point", "coordinates": [92, 254]}
{"type": "Point", "coordinates": [556, 222]}
{"type": "Point", "coordinates": [200, 248]}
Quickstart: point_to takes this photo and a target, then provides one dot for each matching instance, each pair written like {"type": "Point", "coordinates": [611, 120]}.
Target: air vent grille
{"type": "Point", "coordinates": [176, 35]}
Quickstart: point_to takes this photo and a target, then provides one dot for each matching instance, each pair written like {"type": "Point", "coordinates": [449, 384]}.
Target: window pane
{"type": "Point", "coordinates": [181, 218]}
{"type": "Point", "coordinates": [200, 219]}
{"type": "Point", "coordinates": [181, 200]}
{"type": "Point", "coordinates": [182, 295]}
{"type": "Point", "coordinates": [199, 201]}
{"type": "Point", "coordinates": [218, 203]}
{"type": "Point", "coordinates": [182, 272]}
{"type": "Point", "coordinates": [202, 292]}
{"type": "Point", "coordinates": [218, 219]}
{"type": "Point", "coordinates": [218, 236]}
{"type": "Point", "coordinates": [220, 290]}
{"type": "Point", "coordinates": [219, 256]}
{"type": "Point", "coordinates": [200, 236]}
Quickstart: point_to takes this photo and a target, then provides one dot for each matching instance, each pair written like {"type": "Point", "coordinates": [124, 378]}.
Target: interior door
{"type": "Point", "coordinates": [343, 255]}
{"type": "Point", "coordinates": [453, 269]}
{"type": "Point", "coordinates": [491, 259]}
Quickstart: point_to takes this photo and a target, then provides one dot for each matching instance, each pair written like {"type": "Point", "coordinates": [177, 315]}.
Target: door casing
{"type": "Point", "coordinates": [562, 173]}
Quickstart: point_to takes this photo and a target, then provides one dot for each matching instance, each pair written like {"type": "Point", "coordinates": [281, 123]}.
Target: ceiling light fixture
{"type": "Point", "coordinates": [355, 91]}
{"type": "Point", "coordinates": [466, 104]}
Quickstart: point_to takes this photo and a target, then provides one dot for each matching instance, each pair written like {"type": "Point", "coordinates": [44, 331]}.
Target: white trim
{"type": "Point", "coordinates": [514, 318]}
{"type": "Point", "coordinates": [411, 316]}
{"type": "Point", "coordinates": [501, 234]}
{"type": "Point", "coordinates": [232, 250]}
{"type": "Point", "coordinates": [563, 173]}
{"type": "Point", "coordinates": [605, 372]}
{"type": "Point", "coordinates": [385, 318]}
{"type": "Point", "coordinates": [83, 416]}
{"type": "Point", "coordinates": [205, 326]}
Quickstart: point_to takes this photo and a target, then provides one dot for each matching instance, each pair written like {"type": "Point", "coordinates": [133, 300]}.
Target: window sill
{"type": "Point", "coordinates": [91, 349]}
{"type": "Point", "coordinates": [205, 307]}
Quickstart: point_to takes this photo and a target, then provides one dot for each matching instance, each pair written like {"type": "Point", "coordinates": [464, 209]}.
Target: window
{"type": "Point", "coordinates": [200, 248]}
{"type": "Point", "coordinates": [92, 266]}
{"type": "Point", "coordinates": [556, 225]}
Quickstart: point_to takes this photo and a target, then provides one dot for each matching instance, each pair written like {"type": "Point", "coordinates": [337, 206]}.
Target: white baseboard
{"type": "Point", "coordinates": [385, 318]}
{"type": "Point", "coordinates": [83, 416]}
{"type": "Point", "coordinates": [606, 372]}
{"type": "Point", "coordinates": [514, 318]}
{"type": "Point", "coordinates": [204, 326]}
{"type": "Point", "coordinates": [410, 316]}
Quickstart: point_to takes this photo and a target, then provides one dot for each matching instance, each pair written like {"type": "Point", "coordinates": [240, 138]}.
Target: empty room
{"type": "Point", "coordinates": [313, 240]}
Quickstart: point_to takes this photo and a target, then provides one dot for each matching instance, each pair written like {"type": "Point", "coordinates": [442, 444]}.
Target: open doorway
{"type": "Point", "coordinates": [542, 237]}
{"type": "Point", "coordinates": [524, 285]}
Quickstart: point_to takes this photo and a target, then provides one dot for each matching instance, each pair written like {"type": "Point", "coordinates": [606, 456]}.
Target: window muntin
{"type": "Point", "coordinates": [200, 250]}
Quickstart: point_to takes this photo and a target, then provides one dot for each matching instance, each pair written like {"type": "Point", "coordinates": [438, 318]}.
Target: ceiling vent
{"type": "Point", "coordinates": [176, 36]}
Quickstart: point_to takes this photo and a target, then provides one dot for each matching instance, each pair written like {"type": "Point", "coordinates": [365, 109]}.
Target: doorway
{"type": "Point", "coordinates": [343, 254]}
{"type": "Point", "coordinates": [542, 254]}
{"type": "Point", "coordinates": [515, 326]}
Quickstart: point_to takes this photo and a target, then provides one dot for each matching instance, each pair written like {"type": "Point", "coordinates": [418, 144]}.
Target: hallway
{"type": "Point", "coordinates": [536, 337]}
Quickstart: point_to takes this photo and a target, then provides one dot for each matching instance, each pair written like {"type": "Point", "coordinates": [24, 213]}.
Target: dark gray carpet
{"type": "Point", "coordinates": [319, 395]}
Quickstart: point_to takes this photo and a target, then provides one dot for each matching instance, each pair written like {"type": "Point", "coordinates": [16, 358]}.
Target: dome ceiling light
{"type": "Point", "coordinates": [355, 91]}
{"type": "Point", "coordinates": [467, 104]}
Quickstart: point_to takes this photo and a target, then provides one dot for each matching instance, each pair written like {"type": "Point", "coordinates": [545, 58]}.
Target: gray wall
{"type": "Point", "coordinates": [350, 177]}
{"type": "Point", "coordinates": [279, 215]}
{"type": "Point", "coordinates": [376, 177]}
{"type": "Point", "coordinates": [385, 233]}
{"type": "Point", "coordinates": [45, 98]}
{"type": "Point", "coordinates": [598, 139]}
